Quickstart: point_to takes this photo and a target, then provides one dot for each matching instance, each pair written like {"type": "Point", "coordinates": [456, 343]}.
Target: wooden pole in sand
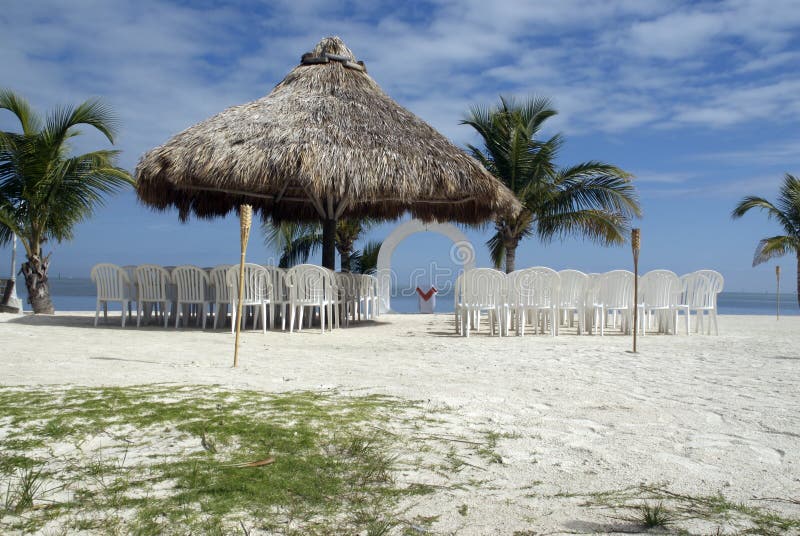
{"type": "Point", "coordinates": [246, 218]}
{"type": "Point", "coordinates": [635, 245]}
{"type": "Point", "coordinates": [778, 293]}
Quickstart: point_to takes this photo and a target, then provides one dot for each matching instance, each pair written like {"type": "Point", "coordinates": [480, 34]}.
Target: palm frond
{"type": "Point", "coordinates": [94, 112]}
{"type": "Point", "coordinates": [774, 247]}
{"type": "Point", "coordinates": [365, 260]}
{"type": "Point", "coordinates": [588, 186]}
{"type": "Point", "coordinates": [603, 227]}
{"type": "Point", "coordinates": [294, 242]}
{"type": "Point", "coordinates": [497, 250]}
{"type": "Point", "coordinates": [773, 212]}
{"type": "Point", "coordinates": [29, 120]}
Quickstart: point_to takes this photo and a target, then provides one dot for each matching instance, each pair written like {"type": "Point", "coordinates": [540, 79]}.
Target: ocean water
{"type": "Point", "coordinates": [77, 294]}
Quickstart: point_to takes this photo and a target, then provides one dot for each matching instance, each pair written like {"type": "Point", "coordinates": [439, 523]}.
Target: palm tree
{"type": "Point", "coordinates": [786, 211]}
{"type": "Point", "coordinates": [298, 241]}
{"type": "Point", "coordinates": [45, 192]}
{"type": "Point", "coordinates": [592, 199]}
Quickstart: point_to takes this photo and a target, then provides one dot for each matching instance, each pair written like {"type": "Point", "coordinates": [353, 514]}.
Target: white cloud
{"type": "Point", "coordinates": [778, 102]}
{"type": "Point", "coordinates": [673, 36]}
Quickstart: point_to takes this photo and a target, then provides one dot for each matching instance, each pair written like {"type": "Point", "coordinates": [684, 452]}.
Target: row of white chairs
{"type": "Point", "coordinates": [268, 291]}
{"type": "Point", "coordinates": [545, 299]}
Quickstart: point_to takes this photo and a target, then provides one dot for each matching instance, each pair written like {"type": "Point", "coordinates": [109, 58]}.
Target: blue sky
{"type": "Point", "coordinates": [699, 100]}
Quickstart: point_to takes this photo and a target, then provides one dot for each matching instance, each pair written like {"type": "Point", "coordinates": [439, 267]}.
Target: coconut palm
{"type": "Point", "coordinates": [298, 241]}
{"type": "Point", "coordinates": [45, 192]}
{"type": "Point", "coordinates": [786, 211]}
{"type": "Point", "coordinates": [592, 199]}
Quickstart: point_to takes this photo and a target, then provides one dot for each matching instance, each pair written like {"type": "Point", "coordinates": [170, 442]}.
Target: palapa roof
{"type": "Point", "coordinates": [326, 140]}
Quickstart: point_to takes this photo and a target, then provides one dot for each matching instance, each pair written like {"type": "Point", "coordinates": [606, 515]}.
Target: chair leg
{"type": "Point", "coordinates": [178, 315]}
{"type": "Point", "coordinates": [124, 303]}
{"type": "Point", "coordinates": [97, 313]}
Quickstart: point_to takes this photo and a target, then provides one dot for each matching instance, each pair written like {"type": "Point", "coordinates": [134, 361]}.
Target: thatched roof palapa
{"type": "Point", "coordinates": [326, 143]}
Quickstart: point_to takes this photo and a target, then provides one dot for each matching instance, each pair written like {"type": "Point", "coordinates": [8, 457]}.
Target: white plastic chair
{"type": "Point", "coordinates": [152, 282]}
{"type": "Point", "coordinates": [367, 290]}
{"type": "Point", "coordinates": [532, 294]}
{"type": "Point", "coordinates": [458, 300]}
{"type": "Point", "coordinates": [708, 284]}
{"type": "Point", "coordinates": [113, 285]}
{"type": "Point", "coordinates": [374, 296]}
{"type": "Point", "coordinates": [659, 293]}
{"type": "Point", "coordinates": [280, 293]}
{"type": "Point", "coordinates": [349, 287]}
{"type": "Point", "coordinates": [572, 297]}
{"type": "Point", "coordinates": [482, 289]}
{"type": "Point", "coordinates": [133, 289]}
{"type": "Point", "coordinates": [614, 294]}
{"type": "Point", "coordinates": [218, 279]}
{"type": "Point", "coordinates": [312, 287]}
{"type": "Point", "coordinates": [192, 284]}
{"type": "Point", "coordinates": [257, 293]}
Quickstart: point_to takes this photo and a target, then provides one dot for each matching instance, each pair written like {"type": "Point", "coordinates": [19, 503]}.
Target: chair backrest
{"type": "Point", "coordinates": [535, 287]}
{"type": "Point", "coordinates": [457, 288]}
{"type": "Point", "coordinates": [593, 289]}
{"type": "Point", "coordinates": [615, 289]}
{"type": "Point", "coordinates": [192, 283]}
{"type": "Point", "coordinates": [574, 288]}
{"type": "Point", "coordinates": [706, 284]}
{"type": "Point", "coordinates": [257, 284]}
{"type": "Point", "coordinates": [349, 285]}
{"type": "Point", "coordinates": [310, 283]}
{"type": "Point", "coordinates": [218, 278]}
{"type": "Point", "coordinates": [483, 287]}
{"type": "Point", "coordinates": [368, 286]}
{"type": "Point", "coordinates": [112, 282]}
{"type": "Point", "coordinates": [659, 288]}
{"type": "Point", "coordinates": [152, 280]}
{"type": "Point", "coordinates": [277, 276]}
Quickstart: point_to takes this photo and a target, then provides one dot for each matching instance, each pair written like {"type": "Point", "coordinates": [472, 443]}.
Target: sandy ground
{"type": "Point", "coordinates": [579, 414]}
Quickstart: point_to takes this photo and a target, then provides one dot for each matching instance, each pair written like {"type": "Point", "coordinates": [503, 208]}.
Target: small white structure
{"type": "Point", "coordinates": [427, 300]}
{"type": "Point", "coordinates": [463, 252]}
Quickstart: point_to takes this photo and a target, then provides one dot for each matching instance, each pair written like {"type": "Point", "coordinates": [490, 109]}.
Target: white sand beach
{"type": "Point", "coordinates": [697, 414]}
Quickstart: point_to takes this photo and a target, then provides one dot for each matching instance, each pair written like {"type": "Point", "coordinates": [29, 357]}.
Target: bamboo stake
{"type": "Point", "coordinates": [635, 245]}
{"type": "Point", "coordinates": [778, 293]}
{"type": "Point", "coordinates": [246, 218]}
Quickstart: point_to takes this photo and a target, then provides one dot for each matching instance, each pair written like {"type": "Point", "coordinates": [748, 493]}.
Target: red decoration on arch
{"type": "Point", "coordinates": [426, 295]}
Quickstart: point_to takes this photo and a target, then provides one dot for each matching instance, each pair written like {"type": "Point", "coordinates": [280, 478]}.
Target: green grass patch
{"type": "Point", "coordinates": [657, 507]}
{"type": "Point", "coordinates": [165, 459]}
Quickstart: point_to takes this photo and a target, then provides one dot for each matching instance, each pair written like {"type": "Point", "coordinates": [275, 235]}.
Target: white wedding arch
{"type": "Point", "coordinates": [462, 252]}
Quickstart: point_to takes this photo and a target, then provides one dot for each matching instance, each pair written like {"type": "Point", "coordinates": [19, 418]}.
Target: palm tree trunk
{"type": "Point", "coordinates": [329, 244]}
{"type": "Point", "coordinates": [798, 277]}
{"type": "Point", "coordinates": [35, 273]}
{"type": "Point", "coordinates": [511, 258]}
